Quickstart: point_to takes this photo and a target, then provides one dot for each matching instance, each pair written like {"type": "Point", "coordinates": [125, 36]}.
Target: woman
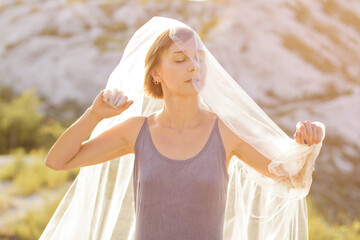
{"type": "Point", "coordinates": [182, 152]}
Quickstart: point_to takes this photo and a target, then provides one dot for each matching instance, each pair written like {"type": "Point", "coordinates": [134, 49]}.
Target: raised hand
{"type": "Point", "coordinates": [308, 133]}
{"type": "Point", "coordinates": [110, 103]}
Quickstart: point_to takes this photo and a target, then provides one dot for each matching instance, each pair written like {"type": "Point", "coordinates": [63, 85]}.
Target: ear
{"type": "Point", "coordinates": [155, 75]}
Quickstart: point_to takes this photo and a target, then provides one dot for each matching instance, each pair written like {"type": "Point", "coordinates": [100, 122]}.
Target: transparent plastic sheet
{"type": "Point", "coordinates": [99, 204]}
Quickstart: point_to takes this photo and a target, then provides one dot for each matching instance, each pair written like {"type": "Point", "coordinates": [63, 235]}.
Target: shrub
{"type": "Point", "coordinates": [9, 171]}
{"type": "Point", "coordinates": [321, 229]}
{"type": "Point", "coordinates": [33, 224]}
{"type": "Point", "coordinates": [30, 175]}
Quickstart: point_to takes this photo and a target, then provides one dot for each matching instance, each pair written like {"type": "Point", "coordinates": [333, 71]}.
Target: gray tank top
{"type": "Point", "coordinates": [179, 199]}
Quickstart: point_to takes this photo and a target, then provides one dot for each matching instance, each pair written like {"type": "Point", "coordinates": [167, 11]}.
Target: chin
{"type": "Point", "coordinates": [194, 92]}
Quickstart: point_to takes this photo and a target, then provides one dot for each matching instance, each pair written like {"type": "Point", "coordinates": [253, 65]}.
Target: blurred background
{"type": "Point", "coordinates": [297, 59]}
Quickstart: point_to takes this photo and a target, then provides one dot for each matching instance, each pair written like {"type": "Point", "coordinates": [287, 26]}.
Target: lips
{"type": "Point", "coordinates": [196, 80]}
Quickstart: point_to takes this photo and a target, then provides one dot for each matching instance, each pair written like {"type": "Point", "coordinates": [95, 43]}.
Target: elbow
{"type": "Point", "coordinates": [53, 166]}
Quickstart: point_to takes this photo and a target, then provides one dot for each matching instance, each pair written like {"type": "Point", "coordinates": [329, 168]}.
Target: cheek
{"type": "Point", "coordinates": [176, 70]}
{"type": "Point", "coordinates": [203, 70]}
{"type": "Point", "coordinates": [166, 70]}
{"type": "Point", "coordinates": [172, 74]}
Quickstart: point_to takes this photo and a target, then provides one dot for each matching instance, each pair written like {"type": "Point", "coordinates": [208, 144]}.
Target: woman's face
{"type": "Point", "coordinates": [182, 69]}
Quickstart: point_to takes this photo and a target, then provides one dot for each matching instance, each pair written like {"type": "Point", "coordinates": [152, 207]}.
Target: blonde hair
{"type": "Point", "coordinates": [153, 58]}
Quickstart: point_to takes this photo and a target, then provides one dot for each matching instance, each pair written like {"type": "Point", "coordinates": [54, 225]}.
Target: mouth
{"type": "Point", "coordinates": [190, 80]}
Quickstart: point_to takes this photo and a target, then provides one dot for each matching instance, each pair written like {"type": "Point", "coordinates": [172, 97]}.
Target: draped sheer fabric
{"type": "Point", "coordinates": [99, 204]}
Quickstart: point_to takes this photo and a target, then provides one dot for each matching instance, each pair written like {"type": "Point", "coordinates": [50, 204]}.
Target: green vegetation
{"type": "Point", "coordinates": [30, 175]}
{"type": "Point", "coordinates": [34, 222]}
{"type": "Point", "coordinates": [32, 225]}
{"type": "Point", "coordinates": [4, 202]}
{"type": "Point", "coordinates": [9, 171]}
{"type": "Point", "coordinates": [26, 133]}
{"type": "Point", "coordinates": [19, 121]}
{"type": "Point", "coordinates": [22, 124]}
{"type": "Point", "coordinates": [25, 125]}
{"type": "Point", "coordinates": [321, 229]}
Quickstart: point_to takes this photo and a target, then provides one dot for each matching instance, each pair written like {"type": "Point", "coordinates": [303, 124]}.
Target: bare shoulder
{"type": "Point", "coordinates": [131, 127]}
{"type": "Point", "coordinates": [229, 138]}
{"type": "Point", "coordinates": [224, 130]}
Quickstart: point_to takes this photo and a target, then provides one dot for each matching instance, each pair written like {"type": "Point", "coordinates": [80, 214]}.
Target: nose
{"type": "Point", "coordinates": [194, 65]}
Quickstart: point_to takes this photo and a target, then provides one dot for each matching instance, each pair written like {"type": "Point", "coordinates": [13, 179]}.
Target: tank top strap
{"type": "Point", "coordinates": [140, 137]}
{"type": "Point", "coordinates": [218, 136]}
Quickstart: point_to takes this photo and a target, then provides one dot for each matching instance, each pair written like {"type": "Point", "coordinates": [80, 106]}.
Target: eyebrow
{"type": "Point", "coordinates": [182, 52]}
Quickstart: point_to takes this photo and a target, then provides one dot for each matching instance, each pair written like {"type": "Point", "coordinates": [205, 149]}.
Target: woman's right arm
{"type": "Point", "coordinates": [70, 151]}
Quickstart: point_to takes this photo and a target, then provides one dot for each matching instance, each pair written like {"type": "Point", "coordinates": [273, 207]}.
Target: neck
{"type": "Point", "coordinates": [180, 113]}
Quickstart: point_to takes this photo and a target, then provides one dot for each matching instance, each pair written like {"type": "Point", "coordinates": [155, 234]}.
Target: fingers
{"type": "Point", "coordinates": [114, 98]}
{"type": "Point", "coordinates": [315, 133]}
{"type": "Point", "coordinates": [119, 99]}
{"type": "Point", "coordinates": [320, 135]}
{"type": "Point", "coordinates": [107, 95]}
{"type": "Point", "coordinates": [308, 133]}
{"type": "Point", "coordinates": [126, 105]}
{"type": "Point", "coordinates": [301, 130]}
{"type": "Point", "coordinates": [115, 95]}
{"type": "Point", "coordinates": [297, 137]}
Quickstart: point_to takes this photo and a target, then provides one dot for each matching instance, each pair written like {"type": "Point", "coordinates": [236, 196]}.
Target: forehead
{"type": "Point", "coordinates": [190, 46]}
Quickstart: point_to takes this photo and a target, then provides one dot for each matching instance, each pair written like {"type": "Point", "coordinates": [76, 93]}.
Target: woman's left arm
{"type": "Point", "coordinates": [306, 133]}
